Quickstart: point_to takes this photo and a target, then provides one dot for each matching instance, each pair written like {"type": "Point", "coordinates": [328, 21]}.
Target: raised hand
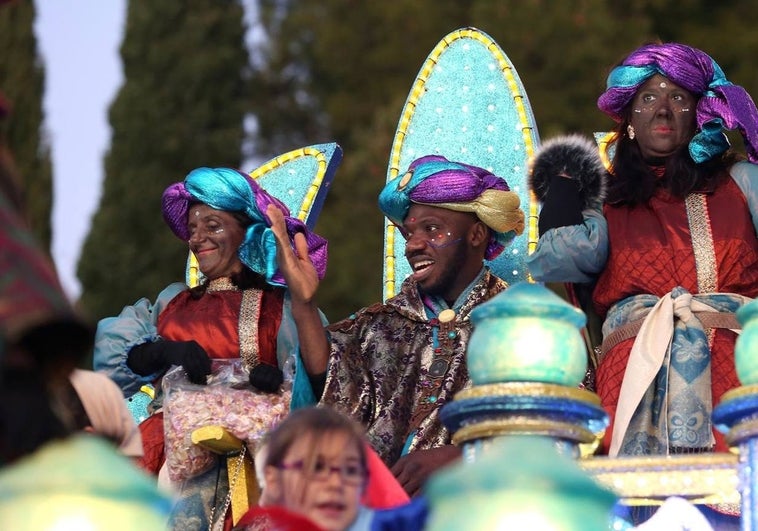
{"type": "Point", "coordinates": [302, 283]}
{"type": "Point", "coordinates": [295, 265]}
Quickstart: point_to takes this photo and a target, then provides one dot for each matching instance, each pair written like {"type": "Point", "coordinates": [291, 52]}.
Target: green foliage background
{"type": "Point", "coordinates": [22, 80]}
{"type": "Point", "coordinates": [318, 71]}
{"type": "Point", "coordinates": [182, 106]}
{"type": "Point", "coordinates": [341, 70]}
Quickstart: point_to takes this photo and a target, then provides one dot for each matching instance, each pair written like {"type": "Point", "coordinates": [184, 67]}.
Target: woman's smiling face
{"type": "Point", "coordinates": [215, 237]}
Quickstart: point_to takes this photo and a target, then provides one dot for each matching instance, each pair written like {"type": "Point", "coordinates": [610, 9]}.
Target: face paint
{"type": "Point", "coordinates": [430, 234]}
{"type": "Point", "coordinates": [651, 97]}
{"type": "Point", "coordinates": [662, 117]}
{"type": "Point", "coordinates": [215, 237]}
{"type": "Point", "coordinates": [442, 244]}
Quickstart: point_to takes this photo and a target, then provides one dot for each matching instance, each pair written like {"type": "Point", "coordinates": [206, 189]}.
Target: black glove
{"type": "Point", "coordinates": [562, 206]}
{"type": "Point", "coordinates": [150, 358]}
{"type": "Point", "coordinates": [266, 378]}
{"type": "Point", "coordinates": [567, 176]}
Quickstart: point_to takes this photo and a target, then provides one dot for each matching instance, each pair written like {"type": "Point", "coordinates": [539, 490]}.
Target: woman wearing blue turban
{"type": "Point", "coordinates": [241, 309]}
{"type": "Point", "coordinates": [669, 254]}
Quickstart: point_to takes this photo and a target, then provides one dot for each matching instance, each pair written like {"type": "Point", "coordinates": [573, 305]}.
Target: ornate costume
{"type": "Point", "coordinates": [392, 365]}
{"type": "Point", "coordinates": [656, 254]}
{"type": "Point", "coordinates": [177, 316]}
{"type": "Point", "coordinates": [669, 272]}
{"type": "Point", "coordinates": [227, 322]}
{"type": "Point", "coordinates": [381, 363]}
{"type": "Point", "coordinates": [715, 266]}
{"type": "Point", "coordinates": [268, 333]}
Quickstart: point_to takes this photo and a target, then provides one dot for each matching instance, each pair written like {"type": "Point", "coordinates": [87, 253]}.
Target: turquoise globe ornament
{"type": "Point", "coordinates": [527, 333]}
{"type": "Point", "coordinates": [519, 483]}
{"type": "Point", "coordinates": [746, 347]}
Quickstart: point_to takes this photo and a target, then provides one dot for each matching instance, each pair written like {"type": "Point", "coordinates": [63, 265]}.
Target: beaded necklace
{"type": "Point", "coordinates": [443, 321]}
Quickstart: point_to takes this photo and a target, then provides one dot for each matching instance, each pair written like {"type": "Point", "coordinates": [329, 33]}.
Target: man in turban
{"type": "Point", "coordinates": [392, 365]}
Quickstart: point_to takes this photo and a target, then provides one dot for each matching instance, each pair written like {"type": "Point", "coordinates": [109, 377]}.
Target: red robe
{"type": "Point", "coordinates": [212, 321]}
{"type": "Point", "coordinates": [651, 252]}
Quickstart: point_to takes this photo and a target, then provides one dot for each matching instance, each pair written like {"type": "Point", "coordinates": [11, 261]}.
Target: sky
{"type": "Point", "coordinates": [78, 41]}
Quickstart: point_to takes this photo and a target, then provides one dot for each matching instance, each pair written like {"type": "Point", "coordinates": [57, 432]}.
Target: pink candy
{"type": "Point", "coordinates": [248, 414]}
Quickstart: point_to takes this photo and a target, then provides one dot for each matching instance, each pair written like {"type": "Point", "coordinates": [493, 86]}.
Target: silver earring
{"type": "Point", "coordinates": [630, 132]}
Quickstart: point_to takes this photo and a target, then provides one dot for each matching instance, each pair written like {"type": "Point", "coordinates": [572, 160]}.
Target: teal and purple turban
{"type": "Point", "coordinates": [721, 104]}
{"type": "Point", "coordinates": [435, 181]}
{"type": "Point", "coordinates": [233, 191]}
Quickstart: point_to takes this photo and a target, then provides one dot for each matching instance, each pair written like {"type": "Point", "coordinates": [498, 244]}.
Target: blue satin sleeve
{"type": "Point", "coordinates": [574, 253]}
{"type": "Point", "coordinates": [135, 325]}
{"type": "Point", "coordinates": [288, 356]}
{"type": "Point", "coordinates": [745, 175]}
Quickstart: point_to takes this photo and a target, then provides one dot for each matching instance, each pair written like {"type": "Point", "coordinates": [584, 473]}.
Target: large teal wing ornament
{"type": "Point", "coordinates": [300, 178]}
{"type": "Point", "coordinates": [469, 105]}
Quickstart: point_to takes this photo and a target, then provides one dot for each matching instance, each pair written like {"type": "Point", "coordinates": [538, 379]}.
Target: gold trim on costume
{"type": "Point", "coordinates": [529, 389]}
{"type": "Point", "coordinates": [250, 312]}
{"type": "Point", "coordinates": [702, 243]}
{"type": "Point", "coordinates": [648, 480]}
{"type": "Point", "coordinates": [222, 284]}
{"type": "Point", "coordinates": [313, 189]}
{"type": "Point", "coordinates": [739, 392]}
{"type": "Point", "coordinates": [521, 425]}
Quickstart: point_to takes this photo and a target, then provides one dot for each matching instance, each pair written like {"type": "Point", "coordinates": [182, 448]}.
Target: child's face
{"type": "Point", "coordinates": [329, 493]}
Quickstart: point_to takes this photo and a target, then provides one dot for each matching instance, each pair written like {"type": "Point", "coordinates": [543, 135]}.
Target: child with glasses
{"type": "Point", "coordinates": [315, 466]}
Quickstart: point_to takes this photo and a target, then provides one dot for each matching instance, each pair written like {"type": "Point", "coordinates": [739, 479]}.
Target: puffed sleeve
{"type": "Point", "coordinates": [135, 325]}
{"type": "Point", "coordinates": [572, 253]}
{"type": "Point", "coordinates": [745, 175]}
{"type": "Point", "coordinates": [290, 360]}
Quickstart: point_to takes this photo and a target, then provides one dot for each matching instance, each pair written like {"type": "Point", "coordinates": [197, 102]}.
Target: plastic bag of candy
{"type": "Point", "coordinates": [227, 400]}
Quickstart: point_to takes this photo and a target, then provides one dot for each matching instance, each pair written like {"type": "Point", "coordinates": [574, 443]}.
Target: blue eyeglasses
{"type": "Point", "coordinates": [351, 473]}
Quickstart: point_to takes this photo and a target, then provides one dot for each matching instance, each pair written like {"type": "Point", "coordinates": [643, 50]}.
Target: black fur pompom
{"type": "Point", "coordinates": [574, 156]}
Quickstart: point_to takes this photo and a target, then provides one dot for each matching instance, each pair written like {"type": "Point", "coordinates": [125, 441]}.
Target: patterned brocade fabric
{"type": "Point", "coordinates": [379, 359]}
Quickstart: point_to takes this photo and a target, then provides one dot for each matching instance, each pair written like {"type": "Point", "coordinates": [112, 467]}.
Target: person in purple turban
{"type": "Point", "coordinates": [392, 365]}
{"type": "Point", "coordinates": [239, 310]}
{"type": "Point", "coordinates": [664, 245]}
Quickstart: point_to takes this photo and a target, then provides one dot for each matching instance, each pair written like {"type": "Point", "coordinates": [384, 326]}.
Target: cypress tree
{"type": "Point", "coordinates": [182, 106]}
{"type": "Point", "coordinates": [22, 133]}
